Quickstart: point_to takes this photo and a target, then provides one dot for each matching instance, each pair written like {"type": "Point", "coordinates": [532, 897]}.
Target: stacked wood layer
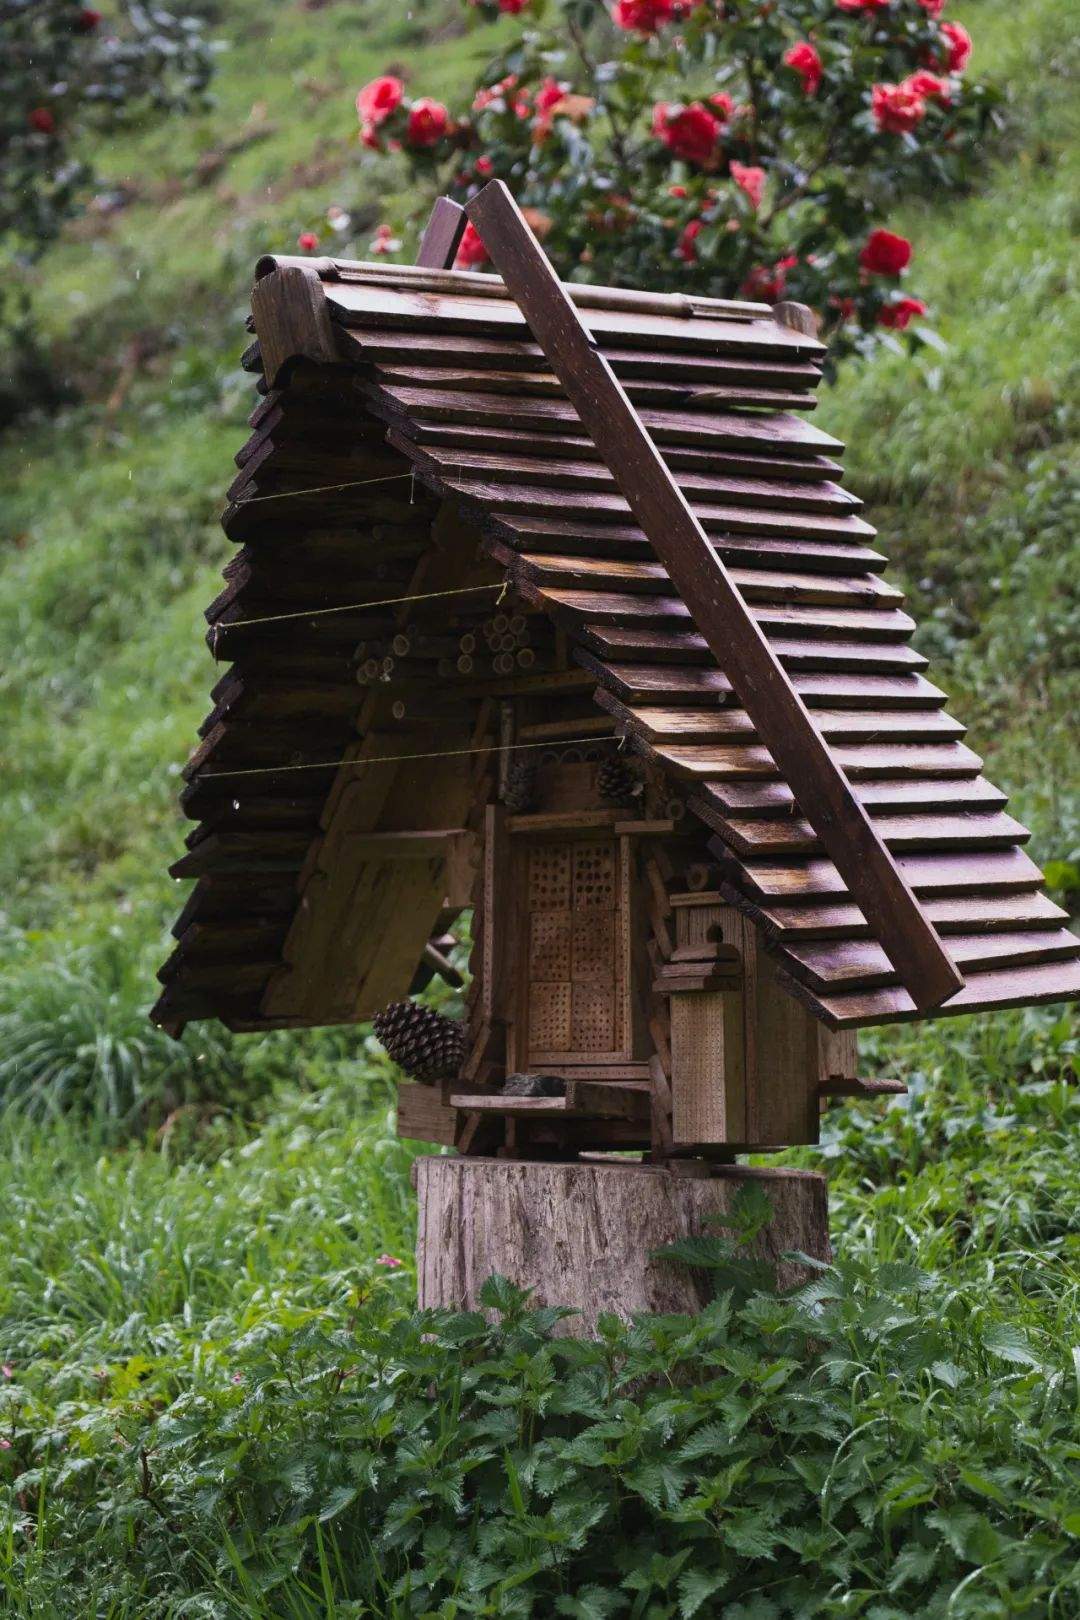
{"type": "Point", "coordinates": [438, 377]}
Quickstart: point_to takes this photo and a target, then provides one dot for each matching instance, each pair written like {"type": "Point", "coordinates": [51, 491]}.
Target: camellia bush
{"type": "Point", "coordinates": [66, 71]}
{"type": "Point", "coordinates": [752, 148]}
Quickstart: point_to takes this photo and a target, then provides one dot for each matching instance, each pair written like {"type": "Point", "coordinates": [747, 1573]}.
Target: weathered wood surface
{"type": "Point", "coordinates": [582, 1234]}
{"type": "Point", "coordinates": [442, 235]}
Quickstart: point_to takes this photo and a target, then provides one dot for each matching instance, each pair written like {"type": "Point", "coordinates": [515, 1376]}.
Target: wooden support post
{"type": "Point", "coordinates": [583, 1234]}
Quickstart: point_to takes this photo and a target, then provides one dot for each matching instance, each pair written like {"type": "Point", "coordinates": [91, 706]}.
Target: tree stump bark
{"type": "Point", "coordinates": [581, 1234]}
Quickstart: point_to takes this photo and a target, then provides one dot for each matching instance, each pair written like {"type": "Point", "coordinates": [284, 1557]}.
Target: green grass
{"type": "Point", "coordinates": [234, 1193]}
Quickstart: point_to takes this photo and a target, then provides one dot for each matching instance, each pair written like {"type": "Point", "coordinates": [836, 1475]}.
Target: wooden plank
{"type": "Point", "coordinates": [657, 643]}
{"type": "Point", "coordinates": [543, 385]}
{"type": "Point", "coordinates": [724, 762]}
{"type": "Point", "coordinates": [548, 472]}
{"type": "Point", "coordinates": [708, 1068]}
{"type": "Point", "coordinates": [671, 425]}
{"type": "Point", "coordinates": [715, 802]}
{"type": "Point", "coordinates": [989, 872]}
{"type": "Point", "coordinates": [442, 235]}
{"type": "Point", "coordinates": [643, 576]}
{"type": "Point", "coordinates": [953, 914]}
{"type": "Point", "coordinates": [850, 964]}
{"type": "Point", "coordinates": [560, 537]}
{"type": "Point", "coordinates": [1040, 985]}
{"type": "Point", "coordinates": [617, 607]}
{"type": "Point", "coordinates": [585, 1099]}
{"type": "Point", "coordinates": [423, 1116]}
{"type": "Point", "coordinates": [868, 1090]}
{"type": "Point", "coordinates": [482, 283]}
{"type": "Point", "coordinates": [746, 515]}
{"type": "Point", "coordinates": [659, 725]}
{"type": "Point", "coordinates": [510, 354]}
{"type": "Point", "coordinates": [803, 464]}
{"type": "Point", "coordinates": [758, 837]}
{"type": "Point", "coordinates": [386, 307]}
{"type": "Point", "coordinates": [661, 683]}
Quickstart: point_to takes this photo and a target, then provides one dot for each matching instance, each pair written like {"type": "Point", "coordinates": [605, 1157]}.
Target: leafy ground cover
{"type": "Point", "coordinates": [212, 1398]}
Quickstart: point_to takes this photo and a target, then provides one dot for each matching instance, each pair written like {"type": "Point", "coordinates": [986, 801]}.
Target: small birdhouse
{"type": "Point", "coordinates": [549, 610]}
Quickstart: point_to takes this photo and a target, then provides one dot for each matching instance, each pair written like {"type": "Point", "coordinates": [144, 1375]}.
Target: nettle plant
{"type": "Point", "coordinates": [749, 148]}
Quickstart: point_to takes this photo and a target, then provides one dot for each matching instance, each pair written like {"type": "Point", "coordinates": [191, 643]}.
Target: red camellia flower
{"type": "Point", "coordinates": [769, 284]}
{"type": "Point", "coordinates": [885, 253]}
{"type": "Point", "coordinates": [930, 87]}
{"type": "Point", "coordinates": [377, 100]}
{"type": "Point", "coordinates": [307, 241]}
{"type": "Point", "coordinates": [804, 60]}
{"type": "Point", "coordinates": [685, 248]}
{"type": "Point", "coordinates": [959, 42]}
{"type": "Point", "coordinates": [427, 123]}
{"type": "Point", "coordinates": [512, 7]}
{"type": "Point", "coordinates": [87, 20]}
{"type": "Point", "coordinates": [934, 7]}
{"type": "Point", "coordinates": [899, 315]}
{"type": "Point", "coordinates": [644, 16]}
{"type": "Point", "coordinates": [751, 180]}
{"type": "Point", "coordinates": [691, 132]}
{"type": "Point", "coordinates": [472, 250]}
{"type": "Point", "coordinates": [42, 120]}
{"type": "Point", "coordinates": [721, 104]}
{"type": "Point", "coordinates": [896, 108]}
{"type": "Point", "coordinates": [484, 167]}
{"type": "Point", "coordinates": [862, 5]}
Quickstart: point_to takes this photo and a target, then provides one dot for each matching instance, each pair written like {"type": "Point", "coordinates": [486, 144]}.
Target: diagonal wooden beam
{"type": "Point", "coordinates": [782, 720]}
{"type": "Point", "coordinates": [442, 235]}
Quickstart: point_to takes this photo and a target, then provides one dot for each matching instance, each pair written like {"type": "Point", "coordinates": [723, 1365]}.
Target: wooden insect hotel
{"type": "Point", "coordinates": [549, 607]}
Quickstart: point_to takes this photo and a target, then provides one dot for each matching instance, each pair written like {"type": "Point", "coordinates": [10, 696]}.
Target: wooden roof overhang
{"type": "Point", "coordinates": [718, 583]}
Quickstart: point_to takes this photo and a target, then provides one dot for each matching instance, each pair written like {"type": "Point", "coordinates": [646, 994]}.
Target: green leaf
{"type": "Point", "coordinates": [695, 1589]}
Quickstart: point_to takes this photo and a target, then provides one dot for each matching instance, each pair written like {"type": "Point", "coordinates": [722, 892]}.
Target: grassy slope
{"type": "Point", "coordinates": [110, 551]}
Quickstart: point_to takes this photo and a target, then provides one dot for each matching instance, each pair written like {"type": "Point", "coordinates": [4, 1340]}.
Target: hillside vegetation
{"type": "Point", "coordinates": [186, 1289]}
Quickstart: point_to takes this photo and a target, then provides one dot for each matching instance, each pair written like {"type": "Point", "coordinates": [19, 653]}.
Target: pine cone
{"type": "Point", "coordinates": [426, 1044]}
{"type": "Point", "coordinates": [618, 782]}
{"type": "Point", "coordinates": [520, 792]}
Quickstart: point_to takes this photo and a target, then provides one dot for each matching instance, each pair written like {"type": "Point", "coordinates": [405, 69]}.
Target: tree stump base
{"type": "Point", "coordinates": [581, 1234]}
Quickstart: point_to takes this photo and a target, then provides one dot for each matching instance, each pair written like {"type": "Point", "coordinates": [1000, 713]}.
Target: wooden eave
{"type": "Point", "coordinates": [414, 376]}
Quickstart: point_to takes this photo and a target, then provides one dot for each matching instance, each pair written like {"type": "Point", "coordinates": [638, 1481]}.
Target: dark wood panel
{"type": "Point", "coordinates": [987, 872]}
{"type": "Point", "coordinates": [658, 644]}
{"type": "Point", "coordinates": [544, 385]}
{"type": "Point", "coordinates": [862, 964]}
{"type": "Point", "coordinates": [1034, 986]}
{"type": "Point", "coordinates": [952, 914]}
{"type": "Point", "coordinates": [723, 762]}
{"type": "Point", "coordinates": [559, 537]}
{"type": "Point", "coordinates": [647, 578]}
{"type": "Point", "coordinates": [669, 426]}
{"type": "Point", "coordinates": [615, 607]}
{"type": "Point", "coordinates": [713, 516]}
{"type": "Point", "coordinates": [549, 472]}
{"type": "Point", "coordinates": [794, 836]}
{"type": "Point", "coordinates": [660, 684]}
{"type": "Point", "coordinates": [659, 725]}
{"type": "Point", "coordinates": [716, 801]}
{"type": "Point", "coordinates": [510, 354]}
{"type": "Point", "coordinates": [792, 464]}
{"type": "Point", "coordinates": [387, 307]}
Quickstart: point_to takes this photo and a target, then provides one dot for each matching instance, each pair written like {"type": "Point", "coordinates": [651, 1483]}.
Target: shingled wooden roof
{"type": "Point", "coordinates": [426, 393]}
